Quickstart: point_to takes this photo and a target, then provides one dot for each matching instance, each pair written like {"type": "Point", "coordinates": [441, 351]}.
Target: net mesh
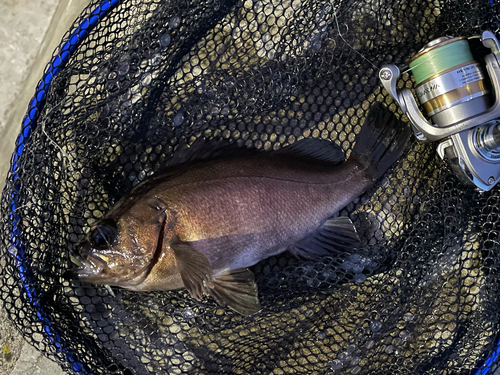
{"type": "Point", "coordinates": [136, 78]}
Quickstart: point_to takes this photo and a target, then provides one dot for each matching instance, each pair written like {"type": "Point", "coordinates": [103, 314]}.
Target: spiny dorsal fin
{"type": "Point", "coordinates": [314, 150]}
{"type": "Point", "coordinates": [308, 149]}
{"type": "Point", "coordinates": [204, 149]}
{"type": "Point", "coordinates": [337, 234]}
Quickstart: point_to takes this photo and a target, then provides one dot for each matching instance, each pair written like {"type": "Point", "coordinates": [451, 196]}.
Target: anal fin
{"type": "Point", "coordinates": [237, 290]}
{"type": "Point", "coordinates": [337, 234]}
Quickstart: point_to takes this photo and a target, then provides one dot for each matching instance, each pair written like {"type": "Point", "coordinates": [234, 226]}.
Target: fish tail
{"type": "Point", "coordinates": [381, 141]}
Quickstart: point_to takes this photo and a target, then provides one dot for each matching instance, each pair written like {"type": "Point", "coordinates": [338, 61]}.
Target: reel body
{"type": "Point", "coordinates": [453, 90]}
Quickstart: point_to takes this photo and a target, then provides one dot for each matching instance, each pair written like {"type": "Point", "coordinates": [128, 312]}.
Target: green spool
{"type": "Point", "coordinates": [439, 59]}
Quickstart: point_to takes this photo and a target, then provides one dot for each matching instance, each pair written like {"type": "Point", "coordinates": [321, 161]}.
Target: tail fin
{"type": "Point", "coordinates": [381, 140]}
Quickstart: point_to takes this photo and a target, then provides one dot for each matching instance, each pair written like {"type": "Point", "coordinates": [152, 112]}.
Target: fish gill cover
{"type": "Point", "coordinates": [136, 79]}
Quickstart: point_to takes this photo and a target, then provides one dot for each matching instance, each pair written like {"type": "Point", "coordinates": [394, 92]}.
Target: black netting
{"type": "Point", "coordinates": [421, 296]}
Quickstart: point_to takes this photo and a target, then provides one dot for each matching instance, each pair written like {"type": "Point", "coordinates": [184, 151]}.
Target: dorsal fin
{"type": "Point", "coordinates": [203, 149]}
{"type": "Point", "coordinates": [315, 151]}
{"type": "Point", "coordinates": [318, 151]}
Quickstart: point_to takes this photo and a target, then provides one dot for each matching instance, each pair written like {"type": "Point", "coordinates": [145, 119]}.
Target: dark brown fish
{"type": "Point", "coordinates": [199, 225]}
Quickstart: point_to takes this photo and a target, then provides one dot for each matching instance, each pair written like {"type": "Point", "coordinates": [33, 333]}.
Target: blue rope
{"type": "Point", "coordinates": [29, 123]}
{"type": "Point", "coordinates": [487, 365]}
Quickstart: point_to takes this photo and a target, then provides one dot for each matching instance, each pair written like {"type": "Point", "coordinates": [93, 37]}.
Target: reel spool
{"type": "Point", "coordinates": [453, 90]}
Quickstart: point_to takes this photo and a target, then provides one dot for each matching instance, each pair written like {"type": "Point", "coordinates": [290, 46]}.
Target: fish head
{"type": "Point", "coordinates": [121, 248]}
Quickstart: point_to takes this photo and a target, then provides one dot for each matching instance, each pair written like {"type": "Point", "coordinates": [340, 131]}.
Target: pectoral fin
{"type": "Point", "coordinates": [194, 267]}
{"type": "Point", "coordinates": [237, 290]}
{"type": "Point", "coordinates": [338, 234]}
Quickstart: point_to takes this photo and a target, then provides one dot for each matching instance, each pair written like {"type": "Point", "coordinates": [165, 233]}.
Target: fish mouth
{"type": "Point", "coordinates": [92, 265]}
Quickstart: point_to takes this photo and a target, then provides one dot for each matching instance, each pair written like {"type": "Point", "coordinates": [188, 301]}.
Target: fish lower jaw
{"type": "Point", "coordinates": [89, 270]}
{"type": "Point", "coordinates": [98, 278]}
{"type": "Point", "coordinates": [86, 274]}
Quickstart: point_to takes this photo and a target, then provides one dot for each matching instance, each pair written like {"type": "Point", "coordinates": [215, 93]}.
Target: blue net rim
{"type": "Point", "coordinates": [66, 49]}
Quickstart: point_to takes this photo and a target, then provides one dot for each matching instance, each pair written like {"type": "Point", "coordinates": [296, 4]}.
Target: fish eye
{"type": "Point", "coordinates": [103, 236]}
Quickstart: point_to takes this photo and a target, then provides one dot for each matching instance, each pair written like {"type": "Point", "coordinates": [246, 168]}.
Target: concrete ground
{"type": "Point", "coordinates": [30, 30]}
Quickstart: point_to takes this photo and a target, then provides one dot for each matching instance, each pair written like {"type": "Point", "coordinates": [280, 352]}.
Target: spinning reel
{"type": "Point", "coordinates": [456, 95]}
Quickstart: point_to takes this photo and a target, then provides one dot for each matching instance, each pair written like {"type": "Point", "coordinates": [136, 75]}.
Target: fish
{"type": "Point", "coordinates": [215, 211]}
